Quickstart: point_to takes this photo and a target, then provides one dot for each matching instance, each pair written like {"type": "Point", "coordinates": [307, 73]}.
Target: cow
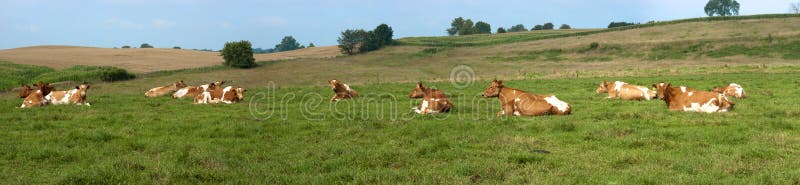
{"type": "Point", "coordinates": [521, 103]}
{"type": "Point", "coordinates": [36, 97]}
{"type": "Point", "coordinates": [625, 91]}
{"type": "Point", "coordinates": [26, 90]}
{"type": "Point", "coordinates": [732, 90]}
{"type": "Point", "coordinates": [433, 100]}
{"type": "Point", "coordinates": [660, 87]}
{"type": "Point", "coordinates": [193, 91]}
{"type": "Point", "coordinates": [341, 90]}
{"type": "Point", "coordinates": [217, 94]}
{"type": "Point", "coordinates": [163, 90]}
{"type": "Point", "coordinates": [683, 99]}
{"type": "Point", "coordinates": [75, 96]}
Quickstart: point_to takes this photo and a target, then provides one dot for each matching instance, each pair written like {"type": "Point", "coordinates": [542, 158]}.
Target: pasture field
{"type": "Point", "coordinates": [293, 135]}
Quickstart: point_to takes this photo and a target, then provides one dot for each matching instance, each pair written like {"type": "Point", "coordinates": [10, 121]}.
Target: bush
{"type": "Point", "coordinates": [238, 54]}
{"type": "Point", "coordinates": [537, 27]}
{"type": "Point", "coordinates": [176, 47]}
{"type": "Point", "coordinates": [86, 73]}
{"type": "Point", "coordinates": [565, 27]}
{"type": "Point", "coordinates": [146, 45]}
{"type": "Point", "coordinates": [620, 24]}
{"type": "Point", "coordinates": [517, 28]}
{"type": "Point", "coordinates": [383, 34]}
{"type": "Point", "coordinates": [351, 40]}
{"type": "Point", "coordinates": [501, 30]}
{"type": "Point", "coordinates": [483, 28]}
{"type": "Point", "coordinates": [126, 47]}
{"type": "Point", "coordinates": [594, 45]}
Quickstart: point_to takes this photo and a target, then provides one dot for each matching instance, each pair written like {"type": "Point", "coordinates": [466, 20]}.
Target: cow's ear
{"type": "Point", "coordinates": [419, 84]}
{"type": "Point", "coordinates": [77, 87]}
{"type": "Point", "coordinates": [500, 82]}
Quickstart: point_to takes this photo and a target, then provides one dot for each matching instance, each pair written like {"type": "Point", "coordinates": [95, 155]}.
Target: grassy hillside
{"type": "Point", "coordinates": [302, 139]}
{"type": "Point", "coordinates": [507, 38]}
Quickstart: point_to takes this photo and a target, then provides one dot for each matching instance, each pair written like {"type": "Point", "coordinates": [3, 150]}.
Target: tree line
{"type": "Point", "coordinates": [461, 26]}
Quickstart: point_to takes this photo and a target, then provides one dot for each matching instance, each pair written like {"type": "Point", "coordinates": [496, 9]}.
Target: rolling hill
{"type": "Point", "coordinates": [140, 60]}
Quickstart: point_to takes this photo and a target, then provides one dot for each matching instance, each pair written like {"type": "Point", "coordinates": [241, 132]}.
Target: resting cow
{"type": "Point", "coordinates": [75, 96]}
{"type": "Point", "coordinates": [217, 94]}
{"type": "Point", "coordinates": [192, 91]}
{"type": "Point", "coordinates": [683, 99]}
{"type": "Point", "coordinates": [732, 90]}
{"type": "Point", "coordinates": [660, 87]}
{"type": "Point", "coordinates": [26, 90]}
{"type": "Point", "coordinates": [521, 103]}
{"type": "Point", "coordinates": [35, 98]}
{"type": "Point", "coordinates": [433, 100]}
{"type": "Point", "coordinates": [342, 91]}
{"type": "Point", "coordinates": [163, 90]}
{"type": "Point", "coordinates": [625, 91]}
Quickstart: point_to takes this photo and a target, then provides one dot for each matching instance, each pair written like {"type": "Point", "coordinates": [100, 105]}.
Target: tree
{"type": "Point", "coordinates": [146, 45]}
{"type": "Point", "coordinates": [795, 8]}
{"type": "Point", "coordinates": [722, 8]}
{"type": "Point", "coordinates": [288, 43]}
{"type": "Point", "coordinates": [501, 30]}
{"type": "Point", "coordinates": [311, 45]}
{"type": "Point", "coordinates": [537, 27]}
{"type": "Point", "coordinates": [468, 28]}
{"type": "Point", "coordinates": [176, 47]}
{"type": "Point", "coordinates": [564, 27]}
{"type": "Point", "coordinates": [517, 28]}
{"type": "Point", "coordinates": [619, 24]}
{"type": "Point", "coordinates": [483, 28]}
{"type": "Point", "coordinates": [351, 40]}
{"type": "Point", "coordinates": [548, 26]}
{"type": "Point", "coordinates": [384, 34]}
{"type": "Point", "coordinates": [126, 47]}
{"type": "Point", "coordinates": [238, 54]}
{"type": "Point", "coordinates": [455, 26]}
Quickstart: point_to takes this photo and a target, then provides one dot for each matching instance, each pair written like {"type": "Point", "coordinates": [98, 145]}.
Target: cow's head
{"type": "Point", "coordinates": [334, 83]}
{"type": "Point", "coordinates": [603, 87]}
{"type": "Point", "coordinates": [26, 90]}
{"type": "Point", "coordinates": [180, 84]}
{"type": "Point", "coordinates": [418, 92]}
{"type": "Point", "coordinates": [82, 87]}
{"type": "Point", "coordinates": [215, 85]}
{"type": "Point", "coordinates": [494, 89]}
{"type": "Point", "coordinates": [240, 93]}
{"type": "Point", "coordinates": [46, 88]}
{"type": "Point", "coordinates": [661, 89]}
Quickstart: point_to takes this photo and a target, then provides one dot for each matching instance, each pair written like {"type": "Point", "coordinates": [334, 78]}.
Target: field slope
{"type": "Point", "coordinates": [139, 60]}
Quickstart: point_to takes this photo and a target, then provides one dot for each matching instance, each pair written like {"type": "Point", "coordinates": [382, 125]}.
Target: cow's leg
{"type": "Point", "coordinates": [333, 98]}
{"type": "Point", "coordinates": [507, 109]}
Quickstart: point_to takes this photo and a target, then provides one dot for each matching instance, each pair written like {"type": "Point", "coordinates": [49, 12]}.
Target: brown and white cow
{"type": "Point", "coordinates": [660, 87]}
{"type": "Point", "coordinates": [625, 91]}
{"type": "Point", "coordinates": [217, 94]}
{"type": "Point", "coordinates": [433, 100]}
{"type": "Point", "coordinates": [342, 91]}
{"type": "Point", "coordinates": [521, 103]}
{"type": "Point", "coordinates": [75, 96]}
{"type": "Point", "coordinates": [732, 90]}
{"type": "Point", "coordinates": [193, 91]}
{"type": "Point", "coordinates": [26, 90]}
{"type": "Point", "coordinates": [36, 97]}
{"type": "Point", "coordinates": [163, 90]}
{"type": "Point", "coordinates": [683, 99]}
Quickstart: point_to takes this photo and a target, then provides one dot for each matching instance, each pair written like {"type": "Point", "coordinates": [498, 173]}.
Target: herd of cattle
{"type": "Point", "coordinates": [513, 101]}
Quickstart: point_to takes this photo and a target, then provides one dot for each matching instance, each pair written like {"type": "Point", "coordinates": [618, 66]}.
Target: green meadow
{"type": "Point", "coordinates": [296, 136]}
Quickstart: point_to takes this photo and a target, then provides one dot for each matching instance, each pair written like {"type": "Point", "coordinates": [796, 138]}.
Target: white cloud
{"type": "Point", "coordinates": [271, 21]}
{"type": "Point", "coordinates": [124, 24]}
{"type": "Point", "coordinates": [163, 24]}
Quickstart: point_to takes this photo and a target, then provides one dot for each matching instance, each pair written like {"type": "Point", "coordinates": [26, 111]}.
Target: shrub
{"type": "Point", "coordinates": [501, 30]}
{"type": "Point", "coordinates": [594, 45]}
{"type": "Point", "coordinates": [565, 27]}
{"type": "Point", "coordinates": [146, 45]}
{"type": "Point", "coordinates": [483, 28]}
{"type": "Point", "coordinates": [548, 26]}
{"type": "Point", "coordinates": [537, 27]}
{"type": "Point", "coordinates": [86, 73]}
{"type": "Point", "coordinates": [360, 41]}
{"type": "Point", "coordinates": [351, 40]}
{"type": "Point", "coordinates": [176, 47]}
{"type": "Point", "coordinates": [238, 54]}
{"type": "Point", "coordinates": [288, 43]}
{"type": "Point", "coordinates": [126, 47]}
{"type": "Point", "coordinates": [620, 24]}
{"type": "Point", "coordinates": [517, 28]}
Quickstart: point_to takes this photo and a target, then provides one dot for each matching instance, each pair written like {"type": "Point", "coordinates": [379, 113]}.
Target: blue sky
{"type": "Point", "coordinates": [209, 24]}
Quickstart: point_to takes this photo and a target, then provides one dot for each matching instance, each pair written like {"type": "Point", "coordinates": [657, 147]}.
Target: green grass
{"type": "Point", "coordinates": [14, 75]}
{"type": "Point", "coordinates": [124, 138]}
{"type": "Point", "coordinates": [494, 39]}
